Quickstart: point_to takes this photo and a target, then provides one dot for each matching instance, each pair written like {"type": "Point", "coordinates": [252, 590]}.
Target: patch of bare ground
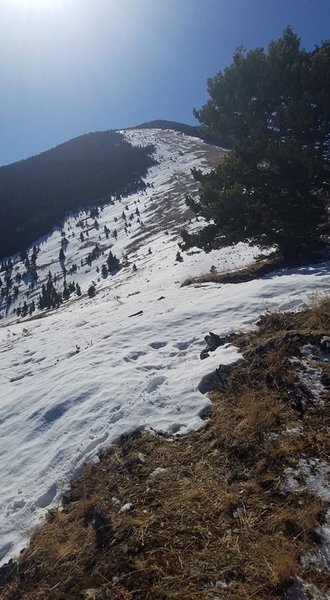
{"type": "Point", "coordinates": [258, 268]}
{"type": "Point", "coordinates": [248, 273]}
{"type": "Point", "coordinates": [203, 516]}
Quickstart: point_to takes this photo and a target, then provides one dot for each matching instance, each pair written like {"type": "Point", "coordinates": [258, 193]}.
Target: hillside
{"type": "Point", "coordinates": [215, 493]}
{"type": "Point", "coordinates": [39, 191]}
{"type": "Point", "coordinates": [223, 141]}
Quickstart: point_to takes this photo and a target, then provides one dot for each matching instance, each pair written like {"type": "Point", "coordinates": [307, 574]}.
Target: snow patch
{"type": "Point", "coordinates": [312, 475]}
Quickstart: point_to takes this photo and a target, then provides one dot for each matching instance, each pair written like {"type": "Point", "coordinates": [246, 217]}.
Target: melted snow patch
{"type": "Point", "coordinates": [309, 475]}
{"type": "Point", "coordinates": [312, 475]}
{"type": "Point", "coordinates": [310, 373]}
{"type": "Point", "coordinates": [158, 471]}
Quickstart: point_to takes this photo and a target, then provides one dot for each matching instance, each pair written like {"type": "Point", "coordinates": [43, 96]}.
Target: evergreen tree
{"type": "Point", "coordinates": [66, 292]}
{"type": "Point", "coordinates": [273, 189]}
{"type": "Point", "coordinates": [91, 291]}
{"type": "Point", "coordinates": [113, 262]}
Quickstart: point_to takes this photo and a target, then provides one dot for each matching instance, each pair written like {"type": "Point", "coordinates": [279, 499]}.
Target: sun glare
{"type": "Point", "coordinates": [37, 4]}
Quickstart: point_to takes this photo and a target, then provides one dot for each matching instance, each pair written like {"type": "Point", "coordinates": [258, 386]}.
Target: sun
{"type": "Point", "coordinates": [37, 4]}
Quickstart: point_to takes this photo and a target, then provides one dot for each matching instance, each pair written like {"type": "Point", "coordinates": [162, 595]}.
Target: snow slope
{"type": "Point", "coordinates": [76, 379]}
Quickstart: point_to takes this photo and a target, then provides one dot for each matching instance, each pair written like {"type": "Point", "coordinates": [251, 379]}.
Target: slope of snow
{"type": "Point", "coordinates": [76, 379]}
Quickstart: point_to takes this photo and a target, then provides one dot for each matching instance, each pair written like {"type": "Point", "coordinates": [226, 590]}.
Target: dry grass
{"type": "Point", "coordinates": [248, 273]}
{"type": "Point", "coordinates": [216, 523]}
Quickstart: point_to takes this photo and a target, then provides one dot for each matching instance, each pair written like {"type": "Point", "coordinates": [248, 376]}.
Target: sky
{"type": "Point", "coordinates": [68, 67]}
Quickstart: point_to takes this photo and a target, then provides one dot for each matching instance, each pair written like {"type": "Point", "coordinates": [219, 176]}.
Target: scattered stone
{"type": "Point", "coordinates": [126, 508]}
{"type": "Point", "coordinates": [213, 342]}
{"type": "Point", "coordinates": [300, 590]}
{"type": "Point", "coordinates": [158, 471]}
{"type": "Point", "coordinates": [102, 529]}
{"type": "Point", "coordinates": [137, 314]}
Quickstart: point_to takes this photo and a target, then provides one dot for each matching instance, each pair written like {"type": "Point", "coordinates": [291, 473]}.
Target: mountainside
{"type": "Point", "coordinates": [84, 171]}
{"type": "Point", "coordinates": [98, 340]}
{"type": "Point", "coordinates": [35, 194]}
{"type": "Point", "coordinates": [223, 141]}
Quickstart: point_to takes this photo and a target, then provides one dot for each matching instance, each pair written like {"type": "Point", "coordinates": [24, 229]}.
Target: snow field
{"type": "Point", "coordinates": [76, 379]}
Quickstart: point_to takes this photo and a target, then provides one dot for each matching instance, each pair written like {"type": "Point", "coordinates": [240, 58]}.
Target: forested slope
{"type": "Point", "coordinates": [36, 193]}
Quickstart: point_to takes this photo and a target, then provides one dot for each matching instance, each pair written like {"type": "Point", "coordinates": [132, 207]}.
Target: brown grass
{"type": "Point", "coordinates": [216, 524]}
{"type": "Point", "coordinates": [248, 273]}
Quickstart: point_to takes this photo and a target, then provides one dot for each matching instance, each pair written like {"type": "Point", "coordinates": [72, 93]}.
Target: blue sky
{"type": "Point", "coordinates": [72, 66]}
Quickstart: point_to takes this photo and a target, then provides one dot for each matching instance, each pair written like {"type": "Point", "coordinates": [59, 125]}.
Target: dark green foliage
{"type": "Point", "coordinates": [91, 291]}
{"type": "Point", "coordinates": [66, 292]}
{"type": "Point", "coordinates": [96, 252]}
{"type": "Point", "coordinates": [273, 189]}
{"type": "Point", "coordinates": [35, 194]}
{"type": "Point", "coordinates": [49, 297]}
{"type": "Point", "coordinates": [113, 262]}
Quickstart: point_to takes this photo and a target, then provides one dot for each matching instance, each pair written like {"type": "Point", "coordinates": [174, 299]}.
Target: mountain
{"type": "Point", "coordinates": [84, 171]}
{"type": "Point", "coordinates": [223, 141]}
{"type": "Point", "coordinates": [39, 191]}
{"type": "Point", "coordinates": [100, 339]}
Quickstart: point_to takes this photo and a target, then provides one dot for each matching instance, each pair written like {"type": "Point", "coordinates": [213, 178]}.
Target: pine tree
{"type": "Point", "coordinates": [91, 291]}
{"type": "Point", "coordinates": [66, 292]}
{"type": "Point", "coordinates": [113, 262]}
{"type": "Point", "coordinates": [273, 189]}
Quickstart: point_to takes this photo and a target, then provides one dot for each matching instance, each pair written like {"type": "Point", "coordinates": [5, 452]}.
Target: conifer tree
{"type": "Point", "coordinates": [113, 262]}
{"type": "Point", "coordinates": [273, 189]}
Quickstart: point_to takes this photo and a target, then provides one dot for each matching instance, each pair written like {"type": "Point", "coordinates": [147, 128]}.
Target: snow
{"type": "Point", "coordinates": [158, 471]}
{"type": "Point", "coordinates": [76, 379]}
{"type": "Point", "coordinates": [312, 475]}
{"type": "Point", "coordinates": [126, 507]}
{"type": "Point", "coordinates": [309, 371]}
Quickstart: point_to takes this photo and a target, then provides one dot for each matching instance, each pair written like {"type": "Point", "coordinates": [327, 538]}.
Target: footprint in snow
{"type": "Point", "coordinates": [46, 498]}
{"type": "Point", "coordinates": [132, 356]}
{"type": "Point", "coordinates": [157, 345]}
{"type": "Point", "coordinates": [154, 384]}
{"type": "Point", "coordinates": [16, 505]}
{"type": "Point", "coordinates": [184, 345]}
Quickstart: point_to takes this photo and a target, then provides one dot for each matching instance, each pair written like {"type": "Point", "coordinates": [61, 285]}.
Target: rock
{"type": "Point", "coordinates": [102, 529]}
{"type": "Point", "coordinates": [300, 590]}
{"type": "Point", "coordinates": [126, 508]}
{"type": "Point", "coordinates": [137, 314]}
{"type": "Point", "coordinates": [213, 342]}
